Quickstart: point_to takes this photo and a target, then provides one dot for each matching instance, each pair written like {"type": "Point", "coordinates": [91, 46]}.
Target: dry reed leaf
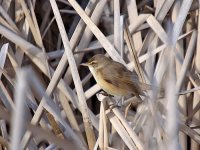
{"type": "Point", "coordinates": [6, 98]}
{"type": "Point", "coordinates": [162, 9]}
{"type": "Point", "coordinates": [153, 23]}
{"type": "Point", "coordinates": [9, 20]}
{"type": "Point", "coordinates": [30, 22]}
{"type": "Point", "coordinates": [132, 50]}
{"type": "Point", "coordinates": [117, 36]}
{"type": "Point", "coordinates": [188, 131]}
{"type": "Point", "coordinates": [3, 55]}
{"type": "Point", "coordinates": [101, 127]}
{"type": "Point", "coordinates": [70, 115]}
{"type": "Point", "coordinates": [187, 60]}
{"type": "Point", "coordinates": [139, 21]}
{"type": "Point", "coordinates": [133, 15]}
{"type": "Point", "coordinates": [20, 112]}
{"type": "Point", "coordinates": [180, 20]}
{"type": "Point", "coordinates": [121, 131]}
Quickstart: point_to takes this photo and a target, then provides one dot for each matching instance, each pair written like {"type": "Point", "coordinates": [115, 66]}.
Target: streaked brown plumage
{"type": "Point", "coordinates": [114, 78]}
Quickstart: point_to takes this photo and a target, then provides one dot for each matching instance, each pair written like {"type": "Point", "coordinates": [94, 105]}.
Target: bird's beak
{"type": "Point", "coordinates": [84, 64]}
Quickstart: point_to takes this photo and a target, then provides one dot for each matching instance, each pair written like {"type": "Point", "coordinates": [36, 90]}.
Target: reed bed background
{"type": "Point", "coordinates": [48, 101]}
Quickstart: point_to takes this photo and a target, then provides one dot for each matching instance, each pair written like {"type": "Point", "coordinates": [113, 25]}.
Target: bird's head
{"type": "Point", "coordinates": [97, 62]}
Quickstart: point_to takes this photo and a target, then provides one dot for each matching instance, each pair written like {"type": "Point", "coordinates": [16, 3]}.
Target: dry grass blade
{"type": "Point", "coordinates": [139, 20]}
{"type": "Point", "coordinates": [187, 60]}
{"type": "Point", "coordinates": [9, 20]}
{"type": "Point", "coordinates": [180, 19]}
{"type": "Point", "coordinates": [3, 55]}
{"type": "Point", "coordinates": [194, 135]}
{"type": "Point", "coordinates": [32, 51]}
{"type": "Point", "coordinates": [92, 91]}
{"type": "Point", "coordinates": [6, 99]}
{"type": "Point", "coordinates": [190, 91]}
{"type": "Point", "coordinates": [161, 11]}
{"type": "Point", "coordinates": [19, 113]}
{"type": "Point", "coordinates": [30, 22]}
{"type": "Point", "coordinates": [172, 114]}
{"type": "Point", "coordinates": [70, 114]}
{"type": "Point", "coordinates": [101, 126]}
{"type": "Point", "coordinates": [121, 131]}
{"type": "Point", "coordinates": [153, 23]}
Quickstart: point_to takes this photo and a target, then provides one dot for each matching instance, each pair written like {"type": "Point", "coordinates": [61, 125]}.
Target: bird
{"type": "Point", "coordinates": [114, 78]}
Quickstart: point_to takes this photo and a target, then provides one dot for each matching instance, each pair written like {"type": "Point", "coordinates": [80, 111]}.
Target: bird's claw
{"type": "Point", "coordinates": [112, 106]}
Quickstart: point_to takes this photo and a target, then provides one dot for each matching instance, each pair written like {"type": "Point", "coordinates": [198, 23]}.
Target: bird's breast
{"type": "Point", "coordinates": [106, 86]}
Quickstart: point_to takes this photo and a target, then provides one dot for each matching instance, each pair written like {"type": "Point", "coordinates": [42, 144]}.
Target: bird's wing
{"type": "Point", "coordinates": [120, 76]}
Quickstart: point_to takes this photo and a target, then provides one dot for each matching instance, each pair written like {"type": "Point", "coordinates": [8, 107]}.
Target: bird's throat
{"type": "Point", "coordinates": [94, 73]}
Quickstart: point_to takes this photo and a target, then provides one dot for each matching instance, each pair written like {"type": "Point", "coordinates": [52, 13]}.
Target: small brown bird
{"type": "Point", "coordinates": [114, 78]}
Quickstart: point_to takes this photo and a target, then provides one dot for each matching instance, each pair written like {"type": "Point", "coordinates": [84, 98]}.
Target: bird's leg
{"type": "Point", "coordinates": [116, 104]}
{"type": "Point", "coordinates": [123, 98]}
{"type": "Point", "coordinates": [138, 96]}
{"type": "Point", "coordinates": [120, 100]}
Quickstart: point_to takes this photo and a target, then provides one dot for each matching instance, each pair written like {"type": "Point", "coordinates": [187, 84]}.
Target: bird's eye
{"type": "Point", "coordinates": [93, 63]}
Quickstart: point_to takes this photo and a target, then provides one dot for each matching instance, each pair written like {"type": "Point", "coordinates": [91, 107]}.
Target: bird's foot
{"type": "Point", "coordinates": [112, 106]}
{"type": "Point", "coordinates": [115, 105]}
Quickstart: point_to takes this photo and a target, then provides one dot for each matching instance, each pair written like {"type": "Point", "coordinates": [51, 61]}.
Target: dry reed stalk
{"type": "Point", "coordinates": [182, 99]}
{"type": "Point", "coordinates": [101, 126]}
{"type": "Point", "coordinates": [132, 50]}
{"type": "Point", "coordinates": [117, 41]}
{"type": "Point", "coordinates": [133, 15]}
{"type": "Point", "coordinates": [82, 102]}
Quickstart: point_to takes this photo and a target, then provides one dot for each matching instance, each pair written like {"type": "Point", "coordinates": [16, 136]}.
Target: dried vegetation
{"type": "Point", "coordinates": [47, 101]}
